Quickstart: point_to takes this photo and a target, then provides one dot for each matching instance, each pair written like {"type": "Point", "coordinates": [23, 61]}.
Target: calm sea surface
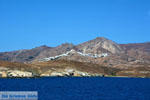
{"type": "Point", "coordinates": [58, 88]}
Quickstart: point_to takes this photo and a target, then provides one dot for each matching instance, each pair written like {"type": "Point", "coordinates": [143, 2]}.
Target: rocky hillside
{"type": "Point", "coordinates": [54, 68]}
{"type": "Point", "coordinates": [140, 51]}
{"type": "Point", "coordinates": [100, 45]}
{"type": "Point", "coordinates": [97, 46]}
{"type": "Point", "coordinates": [99, 56]}
{"type": "Point", "coordinates": [55, 51]}
{"type": "Point", "coordinates": [23, 55]}
{"type": "Point", "coordinates": [69, 68]}
{"type": "Point", "coordinates": [90, 51]}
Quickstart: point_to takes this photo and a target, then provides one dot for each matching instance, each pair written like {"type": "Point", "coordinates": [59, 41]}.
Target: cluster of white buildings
{"type": "Point", "coordinates": [72, 52]}
{"type": "Point", "coordinates": [93, 55]}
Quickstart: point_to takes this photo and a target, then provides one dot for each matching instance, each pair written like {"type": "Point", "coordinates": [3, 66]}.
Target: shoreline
{"type": "Point", "coordinates": [69, 77]}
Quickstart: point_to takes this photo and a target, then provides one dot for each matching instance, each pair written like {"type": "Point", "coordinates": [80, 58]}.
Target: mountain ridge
{"type": "Point", "coordinates": [96, 57]}
{"type": "Point", "coordinates": [98, 45]}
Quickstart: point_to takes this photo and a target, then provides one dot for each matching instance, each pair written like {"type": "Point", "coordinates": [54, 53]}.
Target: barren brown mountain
{"type": "Point", "coordinates": [115, 59]}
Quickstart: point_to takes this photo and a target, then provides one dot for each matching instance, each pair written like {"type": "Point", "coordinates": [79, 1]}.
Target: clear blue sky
{"type": "Point", "coordinates": [25, 24]}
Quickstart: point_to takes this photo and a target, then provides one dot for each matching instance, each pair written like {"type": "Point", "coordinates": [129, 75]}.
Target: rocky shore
{"type": "Point", "coordinates": [6, 72]}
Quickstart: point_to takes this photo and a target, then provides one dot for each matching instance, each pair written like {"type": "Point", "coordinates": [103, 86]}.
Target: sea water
{"type": "Point", "coordinates": [81, 88]}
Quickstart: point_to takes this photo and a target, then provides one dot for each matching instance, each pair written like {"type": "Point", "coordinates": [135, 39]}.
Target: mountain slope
{"type": "Point", "coordinates": [99, 45]}
{"type": "Point", "coordinates": [98, 56]}
{"type": "Point", "coordinates": [23, 55]}
{"type": "Point", "coordinates": [138, 50]}
{"type": "Point", "coordinates": [55, 51]}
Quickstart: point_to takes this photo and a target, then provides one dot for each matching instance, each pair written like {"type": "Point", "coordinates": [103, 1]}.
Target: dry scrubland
{"type": "Point", "coordinates": [97, 57]}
